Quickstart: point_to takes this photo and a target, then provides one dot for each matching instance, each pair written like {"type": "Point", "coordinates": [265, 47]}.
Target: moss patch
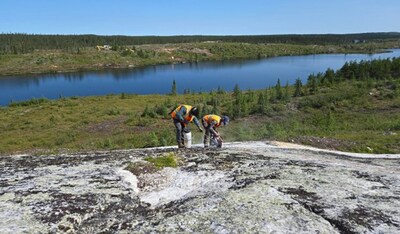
{"type": "Point", "coordinates": [169, 160]}
{"type": "Point", "coordinates": [153, 164]}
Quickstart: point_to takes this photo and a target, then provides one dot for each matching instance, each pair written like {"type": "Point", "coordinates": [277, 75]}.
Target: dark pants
{"type": "Point", "coordinates": [180, 129]}
{"type": "Point", "coordinates": [209, 135]}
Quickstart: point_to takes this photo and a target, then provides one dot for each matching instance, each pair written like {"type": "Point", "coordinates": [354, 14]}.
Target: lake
{"type": "Point", "coordinates": [204, 76]}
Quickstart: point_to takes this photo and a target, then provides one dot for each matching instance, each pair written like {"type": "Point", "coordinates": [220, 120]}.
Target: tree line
{"type": "Point", "coordinates": [18, 43]}
{"type": "Point", "coordinates": [241, 103]}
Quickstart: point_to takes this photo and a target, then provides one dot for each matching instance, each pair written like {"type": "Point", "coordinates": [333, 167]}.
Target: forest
{"type": "Point", "coordinates": [26, 43]}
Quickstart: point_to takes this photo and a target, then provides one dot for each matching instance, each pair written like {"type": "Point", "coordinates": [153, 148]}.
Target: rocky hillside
{"type": "Point", "coordinates": [247, 187]}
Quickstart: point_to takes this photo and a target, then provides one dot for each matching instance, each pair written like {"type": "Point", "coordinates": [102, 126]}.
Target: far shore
{"type": "Point", "coordinates": [89, 59]}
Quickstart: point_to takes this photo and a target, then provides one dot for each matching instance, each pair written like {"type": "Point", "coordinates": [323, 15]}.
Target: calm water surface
{"type": "Point", "coordinates": [205, 76]}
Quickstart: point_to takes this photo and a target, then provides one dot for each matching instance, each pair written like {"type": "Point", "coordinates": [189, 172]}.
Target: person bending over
{"type": "Point", "coordinates": [210, 123]}
{"type": "Point", "coordinates": [182, 116]}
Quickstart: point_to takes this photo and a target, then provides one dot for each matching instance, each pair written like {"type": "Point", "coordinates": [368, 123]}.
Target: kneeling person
{"type": "Point", "coordinates": [210, 123]}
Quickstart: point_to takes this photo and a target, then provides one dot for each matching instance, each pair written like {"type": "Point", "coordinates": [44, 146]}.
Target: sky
{"type": "Point", "coordinates": [198, 17]}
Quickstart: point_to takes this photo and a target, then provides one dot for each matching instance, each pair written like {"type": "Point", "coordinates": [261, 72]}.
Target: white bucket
{"type": "Point", "coordinates": [187, 139]}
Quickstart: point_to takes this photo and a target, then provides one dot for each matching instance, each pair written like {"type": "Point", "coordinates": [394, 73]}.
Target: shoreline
{"type": "Point", "coordinates": [47, 62]}
{"type": "Point", "coordinates": [119, 70]}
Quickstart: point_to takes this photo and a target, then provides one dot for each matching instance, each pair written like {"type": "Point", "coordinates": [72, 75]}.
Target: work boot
{"type": "Point", "coordinates": [181, 145]}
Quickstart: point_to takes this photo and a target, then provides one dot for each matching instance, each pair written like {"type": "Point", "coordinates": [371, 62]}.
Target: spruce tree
{"type": "Point", "coordinates": [312, 84]}
{"type": "Point", "coordinates": [298, 85]}
{"type": "Point", "coordinates": [236, 91]}
{"type": "Point", "coordinates": [261, 104]}
{"type": "Point", "coordinates": [173, 90]}
{"type": "Point", "coordinates": [278, 90]}
{"type": "Point", "coordinates": [329, 76]}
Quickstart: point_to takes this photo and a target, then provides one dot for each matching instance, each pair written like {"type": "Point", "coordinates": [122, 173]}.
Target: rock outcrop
{"type": "Point", "coordinates": [248, 187]}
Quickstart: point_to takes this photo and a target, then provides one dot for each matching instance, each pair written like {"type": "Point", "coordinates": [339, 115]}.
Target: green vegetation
{"type": "Point", "coordinates": [356, 108]}
{"type": "Point", "coordinates": [153, 164]}
{"type": "Point", "coordinates": [27, 43]}
{"type": "Point", "coordinates": [173, 89]}
{"type": "Point", "coordinates": [28, 54]}
{"type": "Point", "coordinates": [169, 160]}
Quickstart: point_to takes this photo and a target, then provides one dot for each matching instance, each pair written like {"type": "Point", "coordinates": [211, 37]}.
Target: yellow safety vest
{"type": "Point", "coordinates": [210, 118]}
{"type": "Point", "coordinates": [187, 117]}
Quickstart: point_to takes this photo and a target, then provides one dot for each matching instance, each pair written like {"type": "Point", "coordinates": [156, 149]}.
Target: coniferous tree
{"type": "Point", "coordinates": [329, 76]}
{"type": "Point", "coordinates": [24, 43]}
{"type": "Point", "coordinates": [236, 91]}
{"type": "Point", "coordinates": [278, 90]}
{"type": "Point", "coordinates": [220, 90]}
{"type": "Point", "coordinates": [261, 104]}
{"type": "Point", "coordinates": [312, 84]}
{"type": "Point", "coordinates": [298, 88]}
{"type": "Point", "coordinates": [345, 71]}
{"type": "Point", "coordinates": [173, 89]}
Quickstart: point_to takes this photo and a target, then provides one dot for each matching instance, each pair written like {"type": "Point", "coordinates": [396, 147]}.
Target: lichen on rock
{"type": "Point", "coordinates": [247, 187]}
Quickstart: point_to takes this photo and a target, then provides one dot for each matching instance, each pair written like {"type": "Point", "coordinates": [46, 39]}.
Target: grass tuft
{"type": "Point", "coordinates": [169, 160]}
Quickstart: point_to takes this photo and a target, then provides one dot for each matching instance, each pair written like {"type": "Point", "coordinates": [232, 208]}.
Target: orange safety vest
{"type": "Point", "coordinates": [187, 117]}
{"type": "Point", "coordinates": [210, 118]}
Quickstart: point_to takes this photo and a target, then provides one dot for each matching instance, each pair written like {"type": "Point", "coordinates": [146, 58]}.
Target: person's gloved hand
{"type": "Point", "coordinates": [185, 122]}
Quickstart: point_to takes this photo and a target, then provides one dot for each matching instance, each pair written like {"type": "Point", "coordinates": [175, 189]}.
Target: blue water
{"type": "Point", "coordinates": [205, 76]}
